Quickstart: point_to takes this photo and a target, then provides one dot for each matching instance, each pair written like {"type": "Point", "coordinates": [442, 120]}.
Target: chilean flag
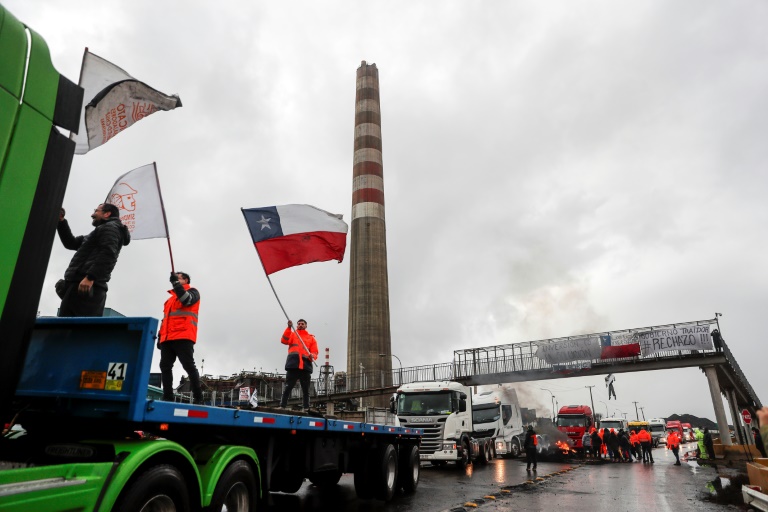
{"type": "Point", "coordinates": [295, 234]}
{"type": "Point", "coordinates": [609, 351]}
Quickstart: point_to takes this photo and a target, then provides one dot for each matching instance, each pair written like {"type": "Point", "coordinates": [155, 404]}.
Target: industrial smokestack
{"type": "Point", "coordinates": [368, 330]}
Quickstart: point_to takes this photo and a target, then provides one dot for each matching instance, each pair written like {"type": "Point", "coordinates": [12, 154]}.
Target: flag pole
{"type": "Point", "coordinates": [278, 298]}
{"type": "Point", "coordinates": [165, 220]}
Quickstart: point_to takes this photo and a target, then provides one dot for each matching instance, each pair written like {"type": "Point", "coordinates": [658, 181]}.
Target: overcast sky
{"type": "Point", "coordinates": [550, 169]}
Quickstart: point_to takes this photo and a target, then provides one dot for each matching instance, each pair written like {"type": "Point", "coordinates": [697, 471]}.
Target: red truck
{"type": "Point", "coordinates": [574, 421]}
{"type": "Point", "coordinates": [677, 427]}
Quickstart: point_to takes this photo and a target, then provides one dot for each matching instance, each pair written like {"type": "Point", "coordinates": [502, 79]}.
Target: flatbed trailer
{"type": "Point", "coordinates": [92, 440]}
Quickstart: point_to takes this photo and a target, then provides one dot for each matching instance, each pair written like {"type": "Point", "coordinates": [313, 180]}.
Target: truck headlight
{"type": "Point", "coordinates": [449, 446]}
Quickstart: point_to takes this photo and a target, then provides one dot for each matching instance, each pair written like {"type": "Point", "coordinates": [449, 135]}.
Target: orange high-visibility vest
{"type": "Point", "coordinates": [673, 441]}
{"type": "Point", "coordinates": [295, 346]}
{"type": "Point", "coordinates": [643, 436]}
{"type": "Point", "coordinates": [179, 321]}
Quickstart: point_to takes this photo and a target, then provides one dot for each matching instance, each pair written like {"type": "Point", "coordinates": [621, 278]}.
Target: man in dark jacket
{"type": "Point", "coordinates": [84, 291]}
{"type": "Point", "coordinates": [531, 446]}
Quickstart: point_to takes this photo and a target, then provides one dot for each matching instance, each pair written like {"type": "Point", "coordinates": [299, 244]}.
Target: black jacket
{"type": "Point", "coordinates": [528, 443]}
{"type": "Point", "coordinates": [97, 251]}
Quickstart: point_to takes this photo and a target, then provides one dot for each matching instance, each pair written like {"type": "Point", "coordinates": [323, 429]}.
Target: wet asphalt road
{"type": "Point", "coordinates": [564, 486]}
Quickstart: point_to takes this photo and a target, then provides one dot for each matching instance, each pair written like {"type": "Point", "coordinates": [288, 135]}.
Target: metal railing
{"type": "Point", "coordinates": [493, 360]}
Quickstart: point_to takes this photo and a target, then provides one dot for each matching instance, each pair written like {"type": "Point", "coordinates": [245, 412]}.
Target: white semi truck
{"type": "Point", "coordinates": [442, 411]}
{"type": "Point", "coordinates": [496, 415]}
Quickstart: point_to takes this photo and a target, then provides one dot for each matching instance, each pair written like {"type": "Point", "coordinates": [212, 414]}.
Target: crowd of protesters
{"type": "Point", "coordinates": [618, 446]}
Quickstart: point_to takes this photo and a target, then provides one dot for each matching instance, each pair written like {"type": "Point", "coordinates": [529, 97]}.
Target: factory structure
{"type": "Point", "coordinates": [369, 344]}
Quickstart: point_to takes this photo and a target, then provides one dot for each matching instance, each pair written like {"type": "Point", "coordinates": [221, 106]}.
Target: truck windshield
{"type": "Point", "coordinates": [657, 428]}
{"type": "Point", "coordinates": [424, 403]}
{"type": "Point", "coordinates": [485, 413]}
{"type": "Point", "coordinates": [615, 425]}
{"type": "Point", "coordinates": [571, 421]}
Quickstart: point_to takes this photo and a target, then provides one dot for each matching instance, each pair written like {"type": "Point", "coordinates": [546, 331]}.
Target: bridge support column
{"type": "Point", "coordinates": [717, 402]}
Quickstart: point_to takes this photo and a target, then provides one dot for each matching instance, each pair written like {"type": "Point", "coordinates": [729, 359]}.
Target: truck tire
{"type": "Point", "coordinates": [385, 479]}
{"type": "Point", "coordinates": [465, 459]}
{"type": "Point", "coordinates": [493, 450]}
{"type": "Point", "coordinates": [514, 448]}
{"type": "Point", "coordinates": [325, 478]}
{"type": "Point", "coordinates": [410, 466]}
{"type": "Point", "coordinates": [482, 457]}
{"type": "Point", "coordinates": [160, 489]}
{"type": "Point", "coordinates": [364, 473]}
{"type": "Point", "coordinates": [236, 490]}
{"type": "Point", "coordinates": [290, 483]}
{"type": "Point", "coordinates": [487, 455]}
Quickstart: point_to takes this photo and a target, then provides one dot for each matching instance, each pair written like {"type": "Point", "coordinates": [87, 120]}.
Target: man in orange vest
{"type": "Point", "coordinates": [302, 350]}
{"type": "Point", "coordinates": [673, 443]}
{"type": "Point", "coordinates": [178, 335]}
{"type": "Point", "coordinates": [646, 444]}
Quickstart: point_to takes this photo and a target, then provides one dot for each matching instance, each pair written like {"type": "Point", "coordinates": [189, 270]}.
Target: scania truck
{"type": "Point", "coordinates": [443, 411]}
{"type": "Point", "coordinates": [79, 432]}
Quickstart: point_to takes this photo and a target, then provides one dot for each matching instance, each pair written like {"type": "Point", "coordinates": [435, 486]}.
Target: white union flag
{"type": "Point", "coordinates": [137, 195]}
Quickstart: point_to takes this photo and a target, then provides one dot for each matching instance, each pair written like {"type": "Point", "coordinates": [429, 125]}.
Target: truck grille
{"type": "Point", "coordinates": [432, 438]}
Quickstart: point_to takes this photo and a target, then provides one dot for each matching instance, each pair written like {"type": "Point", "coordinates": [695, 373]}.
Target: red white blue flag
{"type": "Point", "coordinates": [294, 234]}
{"type": "Point", "coordinates": [612, 350]}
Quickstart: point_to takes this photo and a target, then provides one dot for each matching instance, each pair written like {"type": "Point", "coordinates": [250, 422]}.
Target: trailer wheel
{"type": "Point", "coordinates": [410, 466]}
{"type": "Point", "coordinates": [482, 457]}
{"type": "Point", "coordinates": [465, 459]}
{"type": "Point", "coordinates": [364, 475]}
{"type": "Point", "coordinates": [159, 489]}
{"type": "Point", "coordinates": [487, 447]}
{"type": "Point", "coordinates": [385, 478]}
{"type": "Point", "coordinates": [236, 490]}
{"type": "Point", "coordinates": [325, 478]}
{"type": "Point", "coordinates": [290, 482]}
{"type": "Point", "coordinates": [514, 448]}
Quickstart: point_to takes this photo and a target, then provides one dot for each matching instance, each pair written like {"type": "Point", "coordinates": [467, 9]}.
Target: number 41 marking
{"type": "Point", "coordinates": [117, 371]}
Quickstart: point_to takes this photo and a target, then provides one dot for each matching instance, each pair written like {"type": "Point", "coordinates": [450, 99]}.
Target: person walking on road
{"type": "Point", "coordinates": [178, 336]}
{"type": "Point", "coordinates": [302, 350]}
{"type": "Point", "coordinates": [673, 443]}
{"type": "Point", "coordinates": [646, 444]}
{"type": "Point", "coordinates": [83, 291]}
{"type": "Point", "coordinates": [531, 446]}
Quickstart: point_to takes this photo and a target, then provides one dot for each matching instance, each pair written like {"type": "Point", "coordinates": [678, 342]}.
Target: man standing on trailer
{"type": "Point", "coordinates": [83, 291]}
{"type": "Point", "coordinates": [302, 350]}
{"type": "Point", "coordinates": [178, 335]}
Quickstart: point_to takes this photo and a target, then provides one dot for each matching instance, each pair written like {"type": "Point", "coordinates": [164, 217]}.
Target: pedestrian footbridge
{"type": "Point", "coordinates": [661, 347]}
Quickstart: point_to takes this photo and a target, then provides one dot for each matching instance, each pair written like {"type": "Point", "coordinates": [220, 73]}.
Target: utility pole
{"type": "Point", "coordinates": [637, 416]}
{"type": "Point", "coordinates": [590, 398]}
{"type": "Point", "coordinates": [643, 412]}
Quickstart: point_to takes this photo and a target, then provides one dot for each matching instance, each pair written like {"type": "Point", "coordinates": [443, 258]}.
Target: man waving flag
{"type": "Point", "coordinates": [295, 234]}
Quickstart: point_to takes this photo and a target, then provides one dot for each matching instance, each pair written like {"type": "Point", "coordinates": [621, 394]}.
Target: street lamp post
{"type": "Point", "coordinates": [553, 403]}
{"type": "Point", "coordinates": [400, 372]}
{"type": "Point", "coordinates": [606, 407]}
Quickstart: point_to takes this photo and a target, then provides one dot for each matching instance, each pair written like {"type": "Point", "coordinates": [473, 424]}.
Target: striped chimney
{"type": "Point", "coordinates": [368, 330]}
